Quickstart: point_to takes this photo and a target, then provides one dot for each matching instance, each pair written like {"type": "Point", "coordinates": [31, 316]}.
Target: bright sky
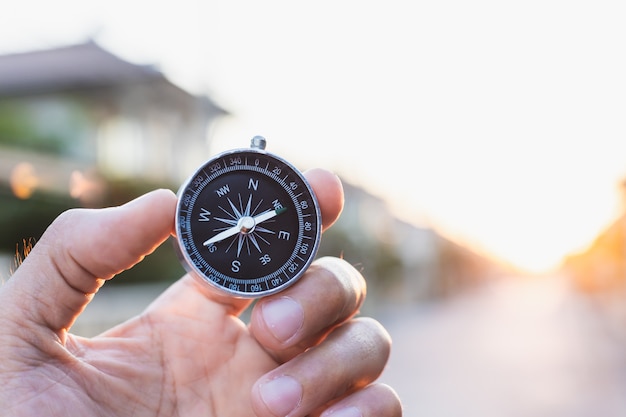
{"type": "Point", "coordinates": [502, 124]}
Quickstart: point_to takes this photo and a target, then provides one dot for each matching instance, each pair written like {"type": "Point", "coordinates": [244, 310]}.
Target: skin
{"type": "Point", "coordinates": [303, 354]}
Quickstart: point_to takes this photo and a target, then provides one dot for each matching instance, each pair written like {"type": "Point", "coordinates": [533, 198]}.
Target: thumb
{"type": "Point", "coordinates": [79, 251]}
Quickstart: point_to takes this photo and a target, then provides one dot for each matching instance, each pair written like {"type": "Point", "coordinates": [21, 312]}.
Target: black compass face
{"type": "Point", "coordinates": [247, 223]}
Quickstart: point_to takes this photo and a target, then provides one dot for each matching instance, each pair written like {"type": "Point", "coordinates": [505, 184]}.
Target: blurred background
{"type": "Point", "coordinates": [482, 147]}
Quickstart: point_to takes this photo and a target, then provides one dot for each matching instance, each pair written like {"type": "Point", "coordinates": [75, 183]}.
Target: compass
{"type": "Point", "coordinates": [247, 222]}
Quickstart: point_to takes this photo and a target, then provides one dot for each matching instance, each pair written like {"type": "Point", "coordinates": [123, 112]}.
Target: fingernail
{"type": "Point", "coordinates": [284, 317]}
{"type": "Point", "coordinates": [281, 395]}
{"type": "Point", "coordinates": [345, 412]}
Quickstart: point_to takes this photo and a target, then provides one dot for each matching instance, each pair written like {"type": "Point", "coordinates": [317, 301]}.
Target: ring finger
{"type": "Point", "coordinates": [351, 357]}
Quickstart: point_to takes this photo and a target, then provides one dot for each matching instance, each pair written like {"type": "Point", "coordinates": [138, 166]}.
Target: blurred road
{"type": "Point", "coordinates": [516, 348]}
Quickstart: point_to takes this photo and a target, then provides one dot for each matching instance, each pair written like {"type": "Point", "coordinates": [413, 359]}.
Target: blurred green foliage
{"type": "Point", "coordinates": [17, 130]}
{"type": "Point", "coordinates": [26, 220]}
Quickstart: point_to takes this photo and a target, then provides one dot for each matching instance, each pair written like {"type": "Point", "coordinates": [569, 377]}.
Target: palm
{"type": "Point", "coordinates": [166, 362]}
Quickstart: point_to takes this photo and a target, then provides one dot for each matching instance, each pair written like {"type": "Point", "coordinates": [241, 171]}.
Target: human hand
{"type": "Point", "coordinates": [188, 354]}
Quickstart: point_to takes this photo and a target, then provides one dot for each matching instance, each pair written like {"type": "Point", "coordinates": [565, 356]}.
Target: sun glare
{"type": "Point", "coordinates": [506, 139]}
{"type": "Point", "coordinates": [530, 222]}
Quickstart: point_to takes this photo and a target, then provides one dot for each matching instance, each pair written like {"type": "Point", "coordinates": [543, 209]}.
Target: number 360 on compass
{"type": "Point", "coordinates": [247, 223]}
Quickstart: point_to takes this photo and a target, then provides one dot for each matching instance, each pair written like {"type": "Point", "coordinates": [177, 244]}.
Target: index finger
{"type": "Point", "coordinates": [329, 192]}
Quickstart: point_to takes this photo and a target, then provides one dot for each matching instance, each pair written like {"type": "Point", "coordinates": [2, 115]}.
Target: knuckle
{"type": "Point", "coordinates": [342, 279]}
{"type": "Point", "coordinates": [369, 337]}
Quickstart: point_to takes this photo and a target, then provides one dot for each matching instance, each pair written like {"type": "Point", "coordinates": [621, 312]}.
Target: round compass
{"type": "Point", "coordinates": [247, 222]}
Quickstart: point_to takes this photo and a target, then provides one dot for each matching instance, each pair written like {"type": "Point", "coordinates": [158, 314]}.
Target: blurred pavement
{"type": "Point", "coordinates": [529, 348]}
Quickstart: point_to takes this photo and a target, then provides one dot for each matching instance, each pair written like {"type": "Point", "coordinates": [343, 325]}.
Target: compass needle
{"type": "Point", "coordinates": [269, 215]}
{"type": "Point", "coordinates": [222, 235]}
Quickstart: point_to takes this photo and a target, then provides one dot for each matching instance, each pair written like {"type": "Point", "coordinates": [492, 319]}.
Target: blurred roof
{"type": "Point", "coordinates": [79, 66]}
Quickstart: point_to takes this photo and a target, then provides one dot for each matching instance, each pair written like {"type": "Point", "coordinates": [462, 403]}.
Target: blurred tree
{"type": "Point", "coordinates": [18, 130]}
{"type": "Point", "coordinates": [25, 219]}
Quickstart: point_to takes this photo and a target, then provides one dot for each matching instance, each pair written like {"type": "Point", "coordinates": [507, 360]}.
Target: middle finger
{"type": "Point", "coordinates": [351, 357]}
{"type": "Point", "coordinates": [288, 323]}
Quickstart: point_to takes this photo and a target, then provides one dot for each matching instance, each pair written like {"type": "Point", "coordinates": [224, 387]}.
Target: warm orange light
{"type": "Point", "coordinates": [24, 180]}
{"type": "Point", "coordinates": [85, 187]}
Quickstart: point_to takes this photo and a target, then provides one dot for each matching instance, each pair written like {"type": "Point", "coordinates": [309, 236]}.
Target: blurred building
{"type": "Point", "coordinates": [402, 262]}
{"type": "Point", "coordinates": [599, 272]}
{"type": "Point", "coordinates": [70, 111]}
{"type": "Point", "coordinates": [81, 127]}
{"type": "Point", "coordinates": [602, 266]}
